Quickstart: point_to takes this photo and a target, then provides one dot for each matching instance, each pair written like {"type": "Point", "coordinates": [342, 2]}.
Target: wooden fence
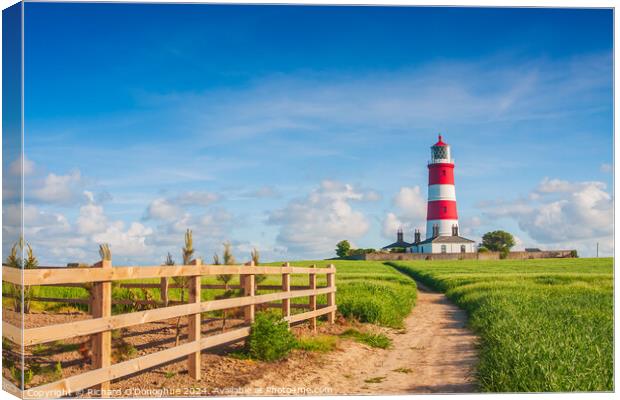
{"type": "Point", "coordinates": [103, 322]}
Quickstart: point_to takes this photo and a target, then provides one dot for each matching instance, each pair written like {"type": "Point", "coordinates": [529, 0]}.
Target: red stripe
{"type": "Point", "coordinates": [441, 209]}
{"type": "Point", "coordinates": [441, 174]}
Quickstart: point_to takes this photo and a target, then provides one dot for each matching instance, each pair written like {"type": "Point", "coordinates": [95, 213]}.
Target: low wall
{"type": "Point", "coordinates": [490, 255]}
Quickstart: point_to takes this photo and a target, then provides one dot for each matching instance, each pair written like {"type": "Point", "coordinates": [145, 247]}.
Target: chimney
{"type": "Point", "coordinates": [416, 236]}
{"type": "Point", "coordinates": [399, 235]}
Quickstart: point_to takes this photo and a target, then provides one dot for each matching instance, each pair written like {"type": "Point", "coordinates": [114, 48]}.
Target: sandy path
{"type": "Point", "coordinates": [435, 353]}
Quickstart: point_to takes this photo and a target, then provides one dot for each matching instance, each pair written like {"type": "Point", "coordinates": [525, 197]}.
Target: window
{"type": "Point", "coordinates": [445, 209]}
{"type": "Point", "coordinates": [443, 248]}
{"type": "Point", "coordinates": [462, 248]}
{"type": "Point", "coordinates": [439, 152]}
{"type": "Point", "coordinates": [443, 171]}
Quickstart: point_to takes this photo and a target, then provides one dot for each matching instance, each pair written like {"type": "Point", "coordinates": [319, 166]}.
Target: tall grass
{"type": "Point", "coordinates": [545, 325]}
{"type": "Point", "coordinates": [368, 291]}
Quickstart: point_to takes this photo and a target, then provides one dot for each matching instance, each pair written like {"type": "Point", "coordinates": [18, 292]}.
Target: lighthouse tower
{"type": "Point", "coordinates": [441, 216]}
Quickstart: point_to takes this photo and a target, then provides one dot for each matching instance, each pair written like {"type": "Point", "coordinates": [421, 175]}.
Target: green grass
{"type": "Point", "coordinates": [319, 343]}
{"type": "Point", "coordinates": [367, 291]}
{"type": "Point", "coordinates": [545, 325]}
{"type": "Point", "coordinates": [378, 340]}
{"type": "Point", "coordinates": [377, 379]}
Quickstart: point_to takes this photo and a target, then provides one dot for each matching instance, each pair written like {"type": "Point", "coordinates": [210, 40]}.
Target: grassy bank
{"type": "Point", "coordinates": [545, 325]}
{"type": "Point", "coordinates": [371, 291]}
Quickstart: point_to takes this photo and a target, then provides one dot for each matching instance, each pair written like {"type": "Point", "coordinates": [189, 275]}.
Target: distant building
{"type": "Point", "coordinates": [399, 243]}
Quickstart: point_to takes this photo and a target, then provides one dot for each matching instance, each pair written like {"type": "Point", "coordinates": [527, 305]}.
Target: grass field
{"type": "Point", "coordinates": [545, 325]}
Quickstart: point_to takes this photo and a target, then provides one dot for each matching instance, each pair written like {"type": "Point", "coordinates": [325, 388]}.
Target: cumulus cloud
{"type": "Point", "coordinates": [130, 242]}
{"type": "Point", "coordinates": [17, 168]}
{"type": "Point", "coordinates": [58, 240]}
{"type": "Point", "coordinates": [310, 226]}
{"type": "Point", "coordinates": [561, 212]}
{"type": "Point", "coordinates": [60, 189]}
{"type": "Point", "coordinates": [173, 207]}
{"type": "Point", "coordinates": [411, 202]}
{"type": "Point", "coordinates": [409, 213]}
{"type": "Point", "coordinates": [163, 209]}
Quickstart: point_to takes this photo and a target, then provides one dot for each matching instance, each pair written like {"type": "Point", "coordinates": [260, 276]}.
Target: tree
{"type": "Point", "coordinates": [229, 259]}
{"type": "Point", "coordinates": [342, 248]}
{"type": "Point", "coordinates": [260, 278]}
{"type": "Point", "coordinates": [188, 258]}
{"type": "Point", "coordinates": [498, 241]}
{"type": "Point", "coordinates": [22, 296]}
{"type": "Point", "coordinates": [183, 281]}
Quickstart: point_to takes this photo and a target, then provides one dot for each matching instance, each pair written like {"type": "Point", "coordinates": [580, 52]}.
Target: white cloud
{"type": "Point", "coordinates": [411, 202]}
{"type": "Point", "coordinates": [91, 219]}
{"type": "Point", "coordinates": [391, 224]}
{"type": "Point", "coordinates": [311, 226]}
{"type": "Point", "coordinates": [17, 168]}
{"type": "Point", "coordinates": [172, 207]}
{"type": "Point", "coordinates": [130, 242]}
{"type": "Point", "coordinates": [606, 168]}
{"type": "Point", "coordinates": [409, 213]}
{"type": "Point", "coordinates": [61, 189]}
{"type": "Point", "coordinates": [563, 212]}
{"type": "Point", "coordinates": [163, 209]}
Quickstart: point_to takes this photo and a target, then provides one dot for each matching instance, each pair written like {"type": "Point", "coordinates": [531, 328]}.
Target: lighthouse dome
{"type": "Point", "coordinates": [440, 152]}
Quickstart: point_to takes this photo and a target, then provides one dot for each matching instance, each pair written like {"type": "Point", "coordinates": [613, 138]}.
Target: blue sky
{"type": "Point", "coordinates": [291, 128]}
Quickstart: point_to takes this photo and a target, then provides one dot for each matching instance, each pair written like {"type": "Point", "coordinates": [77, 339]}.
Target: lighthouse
{"type": "Point", "coordinates": [441, 215]}
{"type": "Point", "coordinates": [442, 220]}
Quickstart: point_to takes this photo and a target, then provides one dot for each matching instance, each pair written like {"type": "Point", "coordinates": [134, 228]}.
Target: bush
{"type": "Point", "coordinates": [270, 338]}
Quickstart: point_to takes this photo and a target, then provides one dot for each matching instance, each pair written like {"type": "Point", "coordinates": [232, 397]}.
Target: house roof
{"type": "Point", "coordinates": [397, 244]}
{"type": "Point", "coordinates": [446, 239]}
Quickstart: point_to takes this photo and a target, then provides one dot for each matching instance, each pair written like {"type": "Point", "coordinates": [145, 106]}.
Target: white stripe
{"type": "Point", "coordinates": [445, 227]}
{"type": "Point", "coordinates": [441, 192]}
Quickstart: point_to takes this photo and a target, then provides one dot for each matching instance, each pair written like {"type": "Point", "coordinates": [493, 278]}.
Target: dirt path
{"type": "Point", "coordinates": [435, 353]}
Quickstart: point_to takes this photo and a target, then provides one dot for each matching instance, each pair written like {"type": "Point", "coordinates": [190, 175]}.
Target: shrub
{"type": "Point", "coordinates": [270, 338]}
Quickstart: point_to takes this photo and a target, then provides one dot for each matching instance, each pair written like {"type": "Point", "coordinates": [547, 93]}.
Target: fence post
{"type": "Point", "coordinates": [312, 299]}
{"type": "Point", "coordinates": [331, 297]}
{"type": "Point", "coordinates": [249, 288]}
{"type": "Point", "coordinates": [286, 286]}
{"type": "Point", "coordinates": [101, 306]}
{"type": "Point", "coordinates": [193, 324]}
{"type": "Point", "coordinates": [163, 290]}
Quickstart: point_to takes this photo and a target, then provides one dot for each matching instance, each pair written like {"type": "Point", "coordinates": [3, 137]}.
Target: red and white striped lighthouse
{"type": "Point", "coordinates": [441, 216]}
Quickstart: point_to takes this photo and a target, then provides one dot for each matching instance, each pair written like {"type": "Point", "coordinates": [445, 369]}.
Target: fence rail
{"type": "Point", "coordinates": [100, 327]}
